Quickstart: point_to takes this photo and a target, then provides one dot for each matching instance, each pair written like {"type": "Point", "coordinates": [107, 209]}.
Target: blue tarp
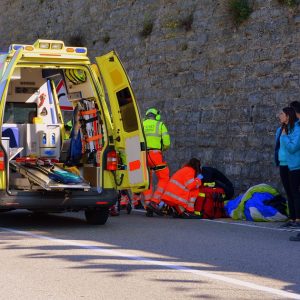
{"type": "Point", "coordinates": [255, 205]}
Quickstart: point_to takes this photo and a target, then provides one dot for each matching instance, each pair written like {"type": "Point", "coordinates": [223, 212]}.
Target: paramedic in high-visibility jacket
{"type": "Point", "coordinates": [182, 190]}
{"type": "Point", "coordinates": [158, 140]}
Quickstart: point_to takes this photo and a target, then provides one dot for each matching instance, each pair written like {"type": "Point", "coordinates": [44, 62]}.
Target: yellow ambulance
{"type": "Point", "coordinates": [40, 169]}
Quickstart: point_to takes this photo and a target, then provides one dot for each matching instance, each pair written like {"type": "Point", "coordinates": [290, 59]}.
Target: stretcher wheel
{"type": "Point", "coordinates": [129, 208]}
{"type": "Point", "coordinates": [118, 204]}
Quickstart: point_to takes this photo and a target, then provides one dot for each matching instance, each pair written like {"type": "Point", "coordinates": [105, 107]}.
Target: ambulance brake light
{"type": "Point", "coordinates": [2, 165]}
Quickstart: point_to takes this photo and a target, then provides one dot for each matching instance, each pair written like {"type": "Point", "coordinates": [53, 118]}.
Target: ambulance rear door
{"type": "Point", "coordinates": [6, 72]}
{"type": "Point", "coordinates": [129, 139]}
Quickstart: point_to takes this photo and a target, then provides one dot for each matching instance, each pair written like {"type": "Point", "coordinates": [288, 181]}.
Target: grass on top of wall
{"type": "Point", "coordinates": [240, 10]}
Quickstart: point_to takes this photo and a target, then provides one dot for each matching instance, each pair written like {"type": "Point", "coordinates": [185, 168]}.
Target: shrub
{"type": "Point", "coordinates": [289, 3]}
{"type": "Point", "coordinates": [184, 46]}
{"type": "Point", "coordinates": [240, 10]}
{"type": "Point", "coordinates": [106, 38]}
{"type": "Point", "coordinates": [147, 28]}
{"type": "Point", "coordinates": [77, 40]}
{"type": "Point", "coordinates": [186, 22]}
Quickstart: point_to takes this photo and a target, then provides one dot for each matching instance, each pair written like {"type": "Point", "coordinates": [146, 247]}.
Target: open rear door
{"type": "Point", "coordinates": [6, 72]}
{"type": "Point", "coordinates": [128, 133]}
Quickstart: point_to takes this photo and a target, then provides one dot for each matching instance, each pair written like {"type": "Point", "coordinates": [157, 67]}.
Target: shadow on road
{"type": "Point", "coordinates": [198, 245]}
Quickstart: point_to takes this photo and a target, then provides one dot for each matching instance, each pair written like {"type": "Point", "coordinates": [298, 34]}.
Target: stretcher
{"type": "Point", "coordinates": [48, 176]}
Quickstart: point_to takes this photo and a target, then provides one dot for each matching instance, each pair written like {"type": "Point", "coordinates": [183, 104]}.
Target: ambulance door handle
{"type": "Point", "coordinates": [118, 138]}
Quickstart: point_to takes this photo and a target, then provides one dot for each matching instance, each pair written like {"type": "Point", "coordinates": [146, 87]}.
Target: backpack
{"type": "Point", "coordinates": [210, 203]}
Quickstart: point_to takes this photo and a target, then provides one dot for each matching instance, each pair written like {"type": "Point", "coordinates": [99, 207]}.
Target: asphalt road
{"type": "Point", "coordinates": [135, 257]}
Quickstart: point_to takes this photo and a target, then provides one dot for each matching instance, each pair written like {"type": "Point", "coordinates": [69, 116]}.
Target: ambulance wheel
{"type": "Point", "coordinates": [97, 216]}
{"type": "Point", "coordinates": [5, 210]}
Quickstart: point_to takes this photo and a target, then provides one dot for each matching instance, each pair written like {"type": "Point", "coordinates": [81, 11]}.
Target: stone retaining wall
{"type": "Point", "coordinates": [219, 87]}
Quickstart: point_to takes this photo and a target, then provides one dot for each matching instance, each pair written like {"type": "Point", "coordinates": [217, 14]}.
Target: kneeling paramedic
{"type": "Point", "coordinates": [182, 190]}
{"type": "Point", "coordinates": [158, 140]}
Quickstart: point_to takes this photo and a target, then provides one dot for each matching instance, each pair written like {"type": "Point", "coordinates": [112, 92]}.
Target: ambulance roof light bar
{"type": "Point", "coordinates": [50, 45]}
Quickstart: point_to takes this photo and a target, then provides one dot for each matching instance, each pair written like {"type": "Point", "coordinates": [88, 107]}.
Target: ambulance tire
{"type": "Point", "coordinates": [5, 210]}
{"type": "Point", "coordinates": [97, 216]}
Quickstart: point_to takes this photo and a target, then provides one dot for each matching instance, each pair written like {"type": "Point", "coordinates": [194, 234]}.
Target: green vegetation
{"type": "Point", "coordinates": [289, 3]}
{"type": "Point", "coordinates": [240, 10]}
{"type": "Point", "coordinates": [183, 23]}
{"type": "Point", "coordinates": [171, 24]}
{"type": "Point", "coordinates": [147, 28]}
{"type": "Point", "coordinates": [76, 40]}
{"type": "Point", "coordinates": [184, 46]}
{"type": "Point", "coordinates": [186, 22]}
{"type": "Point", "coordinates": [106, 38]}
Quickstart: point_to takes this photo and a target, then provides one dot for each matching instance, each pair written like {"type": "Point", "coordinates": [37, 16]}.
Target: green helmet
{"type": "Point", "coordinates": [154, 112]}
{"type": "Point", "coordinates": [69, 124]}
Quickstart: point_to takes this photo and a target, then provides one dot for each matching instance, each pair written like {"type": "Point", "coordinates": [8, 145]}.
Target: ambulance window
{"type": "Point", "coordinates": [19, 113]}
{"type": "Point", "coordinates": [127, 110]}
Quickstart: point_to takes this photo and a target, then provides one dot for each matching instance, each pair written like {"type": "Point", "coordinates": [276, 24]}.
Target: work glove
{"type": "Point", "coordinates": [200, 176]}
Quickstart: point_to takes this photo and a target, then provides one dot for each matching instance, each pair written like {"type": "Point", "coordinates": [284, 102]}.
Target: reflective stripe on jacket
{"type": "Point", "coordinates": [182, 188]}
{"type": "Point", "coordinates": [157, 135]}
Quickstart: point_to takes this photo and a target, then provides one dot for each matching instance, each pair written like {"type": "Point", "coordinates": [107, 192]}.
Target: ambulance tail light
{"type": "Point", "coordinates": [112, 161]}
{"type": "Point", "coordinates": [2, 163]}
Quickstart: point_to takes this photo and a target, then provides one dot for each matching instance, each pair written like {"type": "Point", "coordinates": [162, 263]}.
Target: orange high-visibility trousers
{"type": "Point", "coordinates": [158, 166]}
{"type": "Point", "coordinates": [136, 199]}
{"type": "Point", "coordinates": [180, 206]}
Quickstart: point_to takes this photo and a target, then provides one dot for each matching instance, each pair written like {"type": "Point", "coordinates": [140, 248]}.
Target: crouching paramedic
{"type": "Point", "coordinates": [158, 140]}
{"type": "Point", "coordinates": [183, 188]}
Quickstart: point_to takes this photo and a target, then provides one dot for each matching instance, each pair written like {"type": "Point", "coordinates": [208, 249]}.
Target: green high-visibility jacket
{"type": "Point", "coordinates": [157, 135]}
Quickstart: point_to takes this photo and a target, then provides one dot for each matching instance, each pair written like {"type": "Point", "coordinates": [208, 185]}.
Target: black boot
{"type": "Point", "coordinates": [188, 215]}
{"type": "Point", "coordinates": [139, 206]}
{"type": "Point", "coordinates": [154, 207]}
{"type": "Point", "coordinates": [149, 213]}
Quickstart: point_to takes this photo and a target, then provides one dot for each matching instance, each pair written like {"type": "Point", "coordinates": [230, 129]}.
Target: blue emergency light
{"type": "Point", "coordinates": [80, 50]}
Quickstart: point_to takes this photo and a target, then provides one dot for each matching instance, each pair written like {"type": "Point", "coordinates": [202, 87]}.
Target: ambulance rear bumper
{"type": "Point", "coordinates": [58, 201]}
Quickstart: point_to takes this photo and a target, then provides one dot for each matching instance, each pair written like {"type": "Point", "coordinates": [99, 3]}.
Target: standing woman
{"type": "Point", "coordinates": [290, 141]}
{"type": "Point", "coordinates": [285, 115]}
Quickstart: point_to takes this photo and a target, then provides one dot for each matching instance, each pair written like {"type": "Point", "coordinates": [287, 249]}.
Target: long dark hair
{"type": "Point", "coordinates": [290, 112]}
{"type": "Point", "coordinates": [195, 164]}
